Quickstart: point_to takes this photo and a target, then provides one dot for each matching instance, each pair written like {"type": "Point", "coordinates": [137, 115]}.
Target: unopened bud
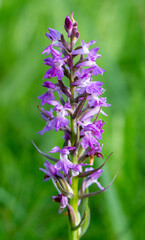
{"type": "Point", "coordinates": [72, 217]}
{"type": "Point", "coordinates": [63, 187]}
{"type": "Point", "coordinates": [68, 26]}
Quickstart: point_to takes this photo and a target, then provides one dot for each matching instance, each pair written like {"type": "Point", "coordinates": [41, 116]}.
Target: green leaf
{"type": "Point", "coordinates": [86, 222]}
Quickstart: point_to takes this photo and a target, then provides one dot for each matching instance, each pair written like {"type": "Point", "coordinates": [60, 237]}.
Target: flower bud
{"type": "Point", "coordinates": [72, 217]}
{"type": "Point", "coordinates": [63, 187]}
{"type": "Point", "coordinates": [68, 26]}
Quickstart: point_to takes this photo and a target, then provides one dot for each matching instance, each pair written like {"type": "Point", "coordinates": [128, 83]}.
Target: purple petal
{"type": "Point", "coordinates": [55, 149]}
{"type": "Point", "coordinates": [88, 140]}
{"type": "Point", "coordinates": [49, 84]}
{"type": "Point", "coordinates": [47, 50]}
{"type": "Point", "coordinates": [60, 73]}
{"type": "Point", "coordinates": [58, 122]}
{"type": "Point", "coordinates": [49, 61]}
{"type": "Point", "coordinates": [46, 114]}
{"type": "Point", "coordinates": [45, 129]}
{"type": "Point", "coordinates": [53, 34]}
{"type": "Point", "coordinates": [97, 70]}
{"type": "Point", "coordinates": [46, 97]}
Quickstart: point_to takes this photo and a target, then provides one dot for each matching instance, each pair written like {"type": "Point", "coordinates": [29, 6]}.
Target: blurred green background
{"type": "Point", "coordinates": [26, 207]}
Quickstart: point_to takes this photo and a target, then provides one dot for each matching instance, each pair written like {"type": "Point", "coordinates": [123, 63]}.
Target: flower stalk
{"type": "Point", "coordinates": [77, 115]}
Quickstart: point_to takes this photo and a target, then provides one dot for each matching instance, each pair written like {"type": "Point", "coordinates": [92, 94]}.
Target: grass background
{"type": "Point", "coordinates": [26, 208]}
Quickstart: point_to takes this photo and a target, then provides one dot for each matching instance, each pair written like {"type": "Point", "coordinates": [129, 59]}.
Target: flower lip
{"type": "Point", "coordinates": [51, 171]}
{"type": "Point", "coordinates": [64, 164]}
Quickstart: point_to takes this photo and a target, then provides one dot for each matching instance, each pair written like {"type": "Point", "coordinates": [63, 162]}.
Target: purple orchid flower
{"type": "Point", "coordinates": [93, 54]}
{"type": "Point", "coordinates": [93, 178]}
{"type": "Point", "coordinates": [56, 69]}
{"type": "Point", "coordinates": [91, 113]}
{"type": "Point", "coordinates": [60, 183]}
{"type": "Point", "coordinates": [54, 52]}
{"type": "Point", "coordinates": [51, 171]}
{"type": "Point", "coordinates": [96, 150]}
{"type": "Point", "coordinates": [46, 97]}
{"type": "Point", "coordinates": [50, 85]}
{"type": "Point", "coordinates": [54, 37]}
{"type": "Point", "coordinates": [76, 114]}
{"type": "Point", "coordinates": [63, 200]}
{"type": "Point", "coordinates": [94, 101]}
{"type": "Point", "coordinates": [94, 67]}
{"type": "Point", "coordinates": [58, 121]}
{"type": "Point", "coordinates": [64, 164]}
{"type": "Point", "coordinates": [85, 84]}
{"type": "Point", "coordinates": [84, 49]}
{"type": "Point", "coordinates": [47, 128]}
{"type": "Point", "coordinates": [95, 129]}
{"type": "Point", "coordinates": [46, 115]}
{"type": "Point", "coordinates": [91, 62]}
{"type": "Point", "coordinates": [91, 132]}
{"type": "Point", "coordinates": [88, 140]}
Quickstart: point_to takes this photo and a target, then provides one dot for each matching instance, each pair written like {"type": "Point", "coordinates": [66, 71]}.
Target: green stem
{"type": "Point", "coordinates": [74, 234]}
